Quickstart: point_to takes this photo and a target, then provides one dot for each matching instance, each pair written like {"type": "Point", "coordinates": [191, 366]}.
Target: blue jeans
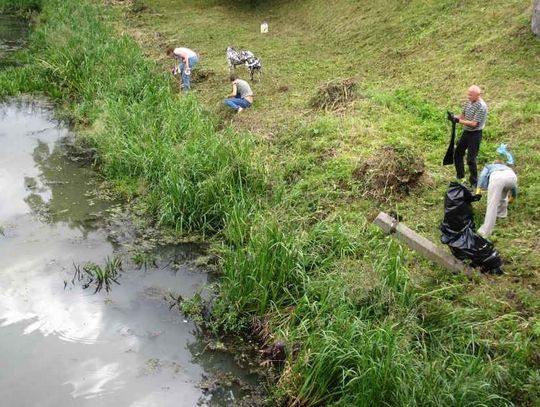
{"type": "Point", "coordinates": [186, 79]}
{"type": "Point", "coordinates": [235, 103]}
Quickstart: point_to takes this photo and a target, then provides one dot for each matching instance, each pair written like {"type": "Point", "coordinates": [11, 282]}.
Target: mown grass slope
{"type": "Point", "coordinates": [365, 321]}
{"type": "Point", "coordinates": [413, 61]}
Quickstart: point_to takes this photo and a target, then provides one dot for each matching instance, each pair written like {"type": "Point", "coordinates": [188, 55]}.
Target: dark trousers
{"type": "Point", "coordinates": [470, 141]}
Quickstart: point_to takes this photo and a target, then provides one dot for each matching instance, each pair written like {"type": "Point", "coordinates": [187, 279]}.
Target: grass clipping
{"type": "Point", "coordinates": [335, 95]}
{"type": "Point", "coordinates": [390, 173]}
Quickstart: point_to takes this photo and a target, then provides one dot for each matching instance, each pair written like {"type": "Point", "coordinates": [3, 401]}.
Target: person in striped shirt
{"type": "Point", "coordinates": [473, 118]}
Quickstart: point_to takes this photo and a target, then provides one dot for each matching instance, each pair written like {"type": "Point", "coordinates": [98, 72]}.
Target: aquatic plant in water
{"type": "Point", "coordinates": [144, 259]}
{"type": "Point", "coordinates": [92, 274]}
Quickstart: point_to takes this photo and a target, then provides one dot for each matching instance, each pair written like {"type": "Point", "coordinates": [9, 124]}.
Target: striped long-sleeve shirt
{"type": "Point", "coordinates": [476, 111]}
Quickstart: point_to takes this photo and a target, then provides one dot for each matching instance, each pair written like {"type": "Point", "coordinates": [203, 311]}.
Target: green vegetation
{"type": "Point", "coordinates": [283, 187]}
{"type": "Point", "coordinates": [92, 274]}
{"type": "Point", "coordinates": [144, 259]}
{"type": "Point", "coordinates": [19, 6]}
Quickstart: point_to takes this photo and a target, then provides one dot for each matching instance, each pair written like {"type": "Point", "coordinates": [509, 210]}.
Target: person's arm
{"type": "Point", "coordinates": [234, 91]}
{"type": "Point", "coordinates": [478, 117]}
{"type": "Point", "coordinates": [468, 123]}
{"type": "Point", "coordinates": [183, 59]}
{"type": "Point", "coordinates": [178, 64]}
{"type": "Point", "coordinates": [483, 181]}
{"type": "Point", "coordinates": [461, 119]}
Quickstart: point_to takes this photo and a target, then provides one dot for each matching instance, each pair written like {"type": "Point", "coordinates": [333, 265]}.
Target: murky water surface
{"type": "Point", "coordinates": [60, 344]}
{"type": "Point", "coordinates": [13, 34]}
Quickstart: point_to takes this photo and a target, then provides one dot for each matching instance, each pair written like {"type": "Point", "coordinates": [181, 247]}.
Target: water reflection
{"type": "Point", "coordinates": [21, 134]}
{"type": "Point", "coordinates": [51, 186]}
{"type": "Point", "coordinates": [95, 379]}
{"type": "Point", "coordinates": [67, 346]}
{"type": "Point", "coordinates": [13, 34]}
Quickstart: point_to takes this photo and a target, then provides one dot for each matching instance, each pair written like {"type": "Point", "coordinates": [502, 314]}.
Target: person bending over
{"type": "Point", "coordinates": [186, 59]}
{"type": "Point", "coordinates": [241, 96]}
{"type": "Point", "coordinates": [499, 179]}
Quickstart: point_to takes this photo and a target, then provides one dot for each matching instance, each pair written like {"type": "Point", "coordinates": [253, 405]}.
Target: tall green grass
{"type": "Point", "coordinates": [359, 330]}
{"type": "Point", "coordinates": [145, 133]}
{"type": "Point", "coordinates": [19, 6]}
{"type": "Point", "coordinates": [374, 350]}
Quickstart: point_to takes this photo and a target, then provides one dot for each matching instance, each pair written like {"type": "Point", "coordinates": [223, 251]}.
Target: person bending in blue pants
{"type": "Point", "coordinates": [186, 59]}
{"type": "Point", "coordinates": [241, 96]}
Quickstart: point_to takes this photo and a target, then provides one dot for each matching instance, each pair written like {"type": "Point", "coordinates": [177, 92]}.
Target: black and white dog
{"type": "Point", "coordinates": [242, 57]}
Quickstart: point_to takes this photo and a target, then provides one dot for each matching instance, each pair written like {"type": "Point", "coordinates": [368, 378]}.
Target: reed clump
{"type": "Point", "coordinates": [92, 274]}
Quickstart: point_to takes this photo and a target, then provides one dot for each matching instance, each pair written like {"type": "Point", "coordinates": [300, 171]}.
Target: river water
{"type": "Point", "coordinates": [13, 34]}
{"type": "Point", "coordinates": [62, 344]}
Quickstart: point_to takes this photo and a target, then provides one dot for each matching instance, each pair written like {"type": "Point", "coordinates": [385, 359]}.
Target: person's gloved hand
{"type": "Point", "coordinates": [187, 71]}
{"type": "Point", "coordinates": [476, 197]}
{"type": "Point", "coordinates": [510, 199]}
{"type": "Point", "coordinates": [450, 116]}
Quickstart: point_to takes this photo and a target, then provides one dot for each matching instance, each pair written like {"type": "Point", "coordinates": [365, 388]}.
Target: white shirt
{"type": "Point", "coordinates": [184, 53]}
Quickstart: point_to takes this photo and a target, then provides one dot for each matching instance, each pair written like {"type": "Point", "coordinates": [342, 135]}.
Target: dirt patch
{"type": "Point", "coordinates": [137, 6]}
{"type": "Point", "coordinates": [390, 173]}
{"type": "Point", "coordinates": [335, 95]}
{"type": "Point", "coordinates": [202, 75]}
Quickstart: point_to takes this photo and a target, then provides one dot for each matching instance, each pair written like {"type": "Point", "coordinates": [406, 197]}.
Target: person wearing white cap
{"type": "Point", "coordinates": [500, 180]}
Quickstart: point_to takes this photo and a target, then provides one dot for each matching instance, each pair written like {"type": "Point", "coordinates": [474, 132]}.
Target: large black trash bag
{"type": "Point", "coordinates": [458, 231]}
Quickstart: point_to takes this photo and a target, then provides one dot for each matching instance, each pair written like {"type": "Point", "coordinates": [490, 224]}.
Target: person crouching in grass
{"type": "Point", "coordinates": [241, 96]}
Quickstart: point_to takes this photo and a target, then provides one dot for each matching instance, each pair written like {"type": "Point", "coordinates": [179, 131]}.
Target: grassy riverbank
{"type": "Point", "coordinates": [365, 322]}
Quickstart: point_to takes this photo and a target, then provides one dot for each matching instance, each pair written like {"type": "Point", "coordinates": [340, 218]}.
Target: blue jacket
{"type": "Point", "coordinates": [483, 181]}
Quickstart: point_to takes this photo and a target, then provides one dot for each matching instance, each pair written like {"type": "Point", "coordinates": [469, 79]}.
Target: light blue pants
{"type": "Point", "coordinates": [186, 79]}
{"type": "Point", "coordinates": [500, 183]}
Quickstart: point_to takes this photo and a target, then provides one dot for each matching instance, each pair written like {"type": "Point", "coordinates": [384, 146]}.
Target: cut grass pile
{"type": "Point", "coordinates": [363, 321]}
{"type": "Point", "coordinates": [390, 173]}
{"type": "Point", "coordinates": [335, 95]}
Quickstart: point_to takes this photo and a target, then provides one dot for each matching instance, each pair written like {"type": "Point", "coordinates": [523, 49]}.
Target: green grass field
{"type": "Point", "coordinates": [365, 321]}
{"type": "Point", "coordinates": [413, 61]}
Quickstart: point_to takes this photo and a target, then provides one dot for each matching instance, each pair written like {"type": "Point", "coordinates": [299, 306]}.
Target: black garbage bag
{"type": "Point", "coordinates": [458, 210]}
{"type": "Point", "coordinates": [458, 231]}
{"type": "Point", "coordinates": [449, 156]}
